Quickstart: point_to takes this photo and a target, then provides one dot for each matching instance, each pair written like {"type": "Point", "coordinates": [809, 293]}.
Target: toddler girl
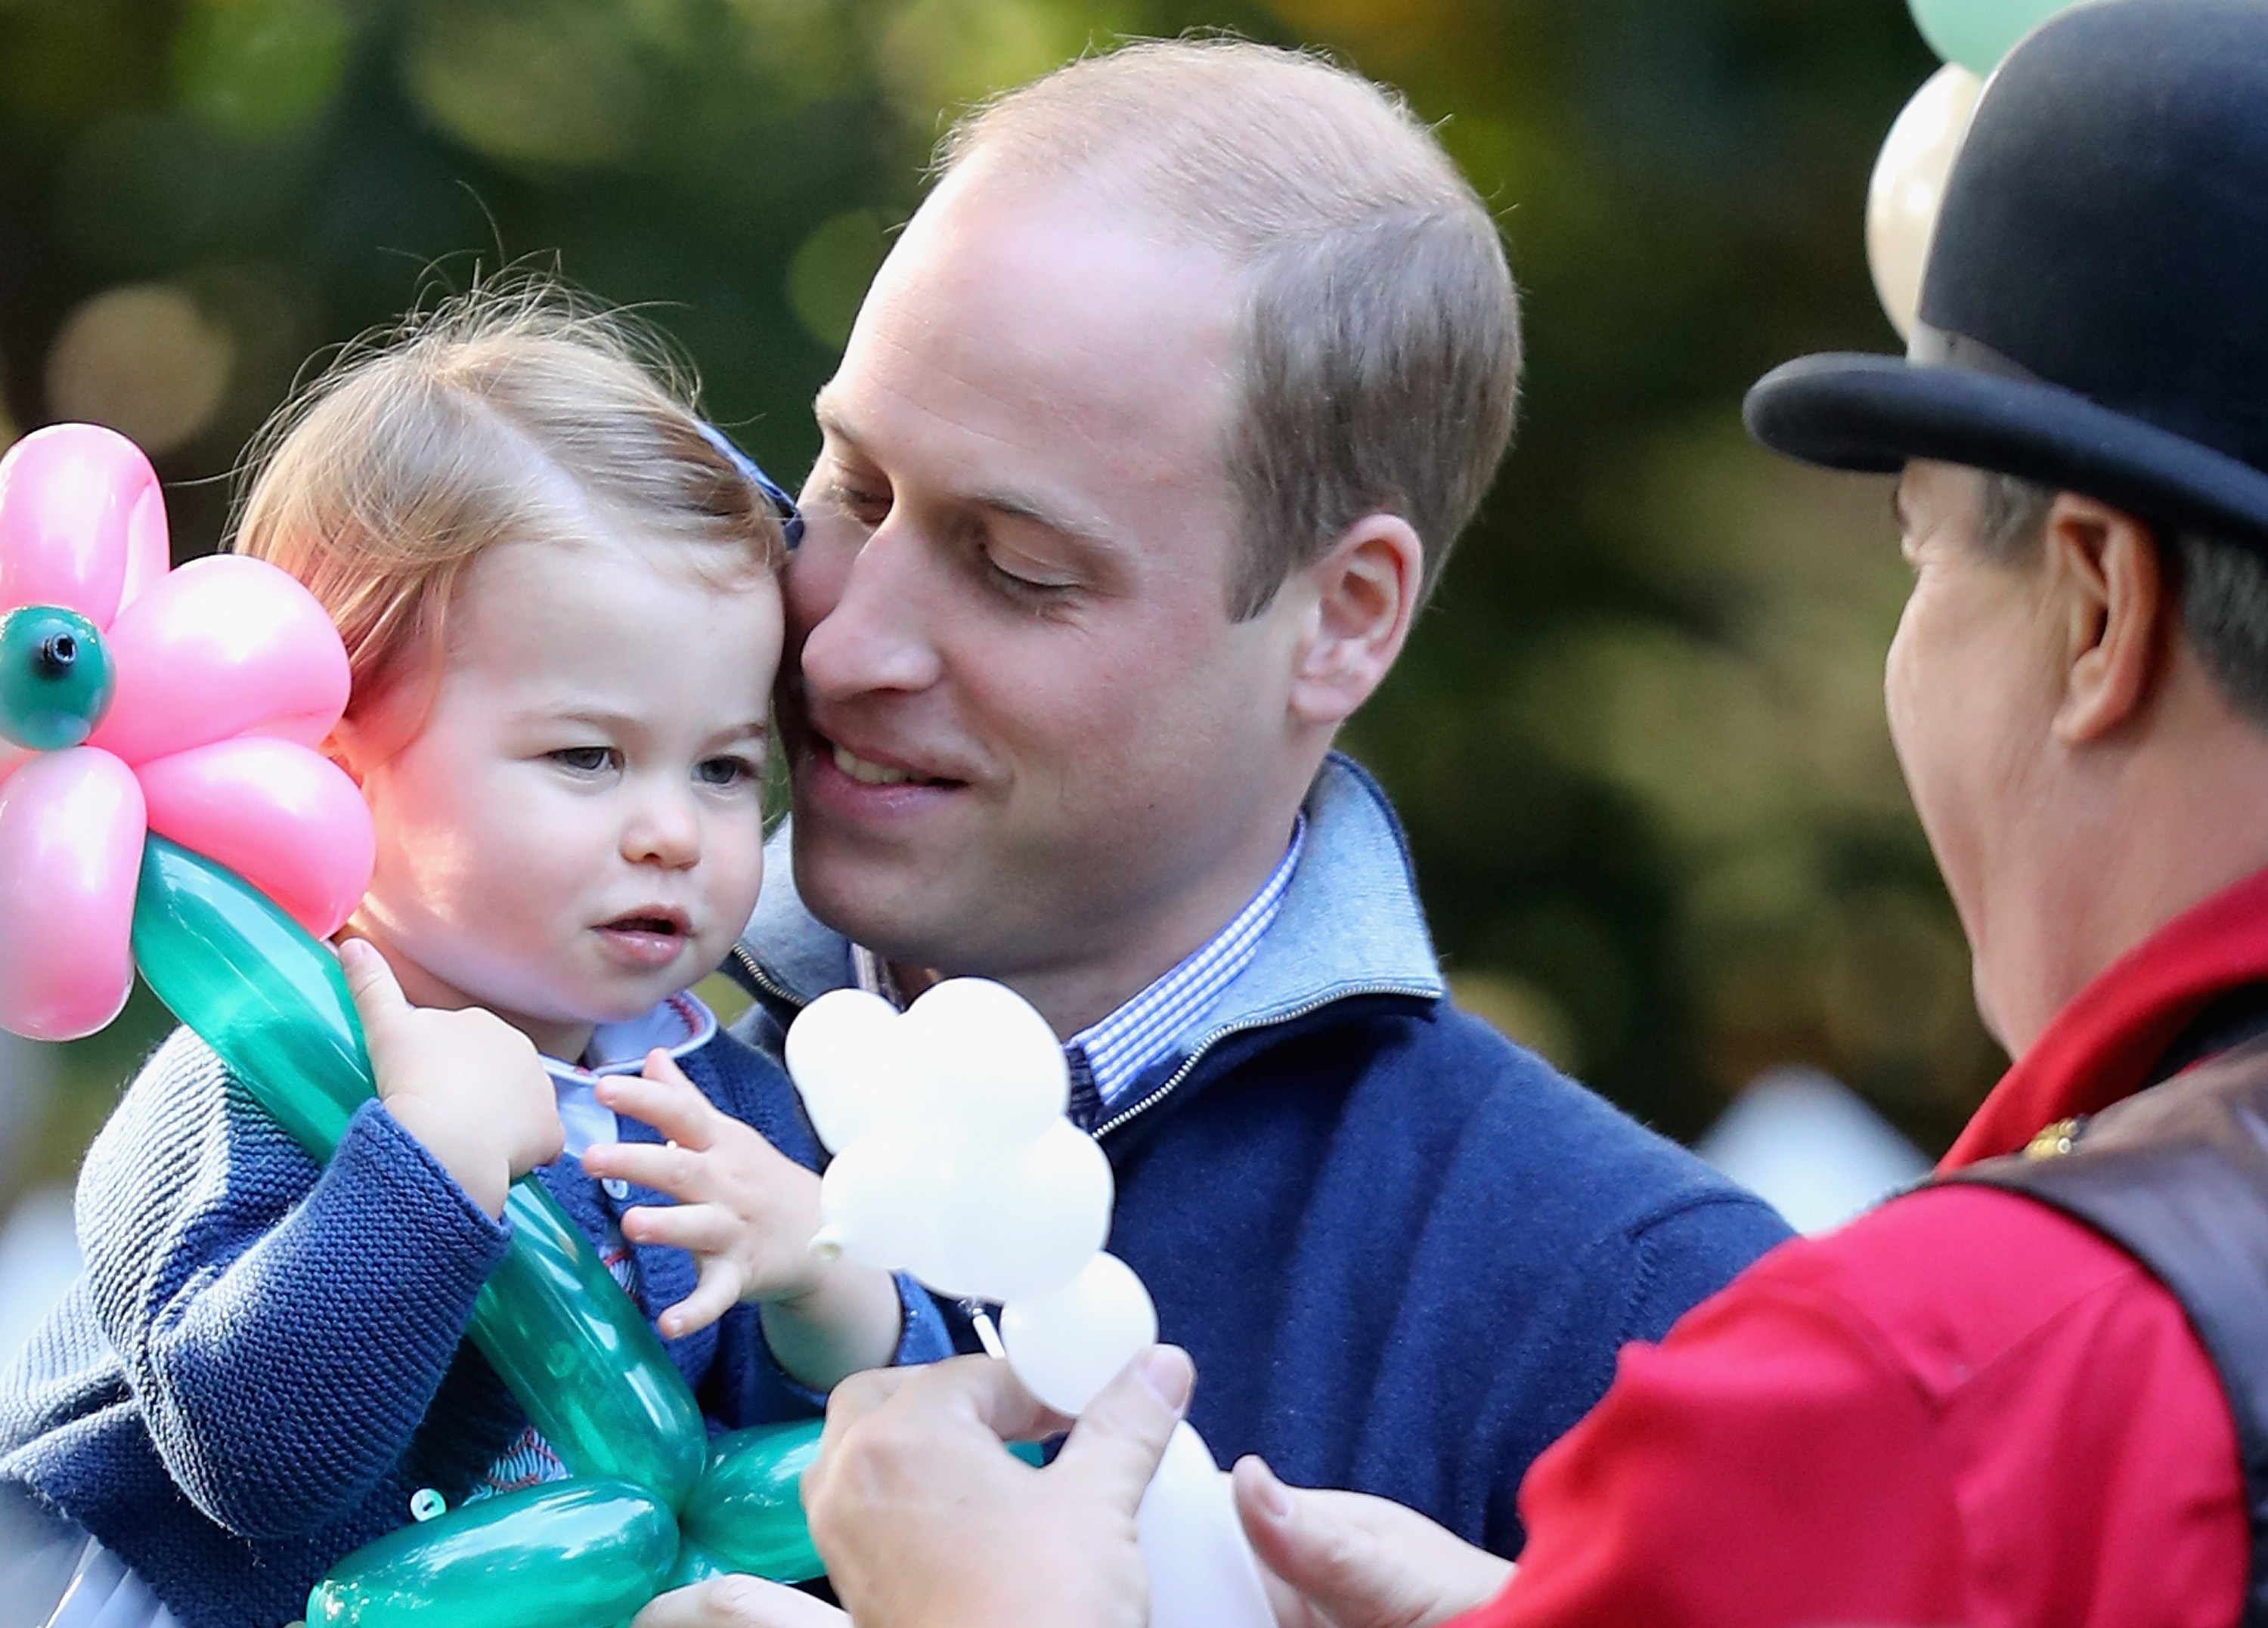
{"type": "Point", "coordinates": [555, 586]}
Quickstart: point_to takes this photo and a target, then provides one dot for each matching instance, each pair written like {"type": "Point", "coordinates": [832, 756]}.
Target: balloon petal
{"type": "Point", "coordinates": [223, 647]}
{"type": "Point", "coordinates": [149, 549]}
{"type": "Point", "coordinates": [75, 501]}
{"type": "Point", "coordinates": [72, 828]}
{"type": "Point", "coordinates": [285, 818]}
{"type": "Point", "coordinates": [1067, 1345]}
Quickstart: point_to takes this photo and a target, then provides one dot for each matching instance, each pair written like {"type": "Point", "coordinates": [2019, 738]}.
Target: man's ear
{"type": "Point", "coordinates": [2116, 609]}
{"type": "Point", "coordinates": [1363, 596]}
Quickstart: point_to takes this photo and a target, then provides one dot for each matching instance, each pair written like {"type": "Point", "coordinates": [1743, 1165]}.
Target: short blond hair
{"type": "Point", "coordinates": [1381, 335]}
{"type": "Point", "coordinates": [516, 412]}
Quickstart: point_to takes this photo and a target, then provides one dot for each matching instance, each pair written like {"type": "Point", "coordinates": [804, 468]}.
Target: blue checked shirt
{"type": "Point", "coordinates": [1106, 1058]}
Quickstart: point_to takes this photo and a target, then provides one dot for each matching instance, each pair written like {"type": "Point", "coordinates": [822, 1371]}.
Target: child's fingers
{"type": "Point", "coordinates": [717, 1292]}
{"type": "Point", "coordinates": [377, 997]}
{"type": "Point", "coordinates": [704, 1229]}
{"type": "Point", "coordinates": [678, 1171]}
{"type": "Point", "coordinates": [664, 1098]}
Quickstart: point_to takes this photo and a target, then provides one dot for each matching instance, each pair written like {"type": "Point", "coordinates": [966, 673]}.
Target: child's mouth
{"type": "Point", "coordinates": [647, 938]}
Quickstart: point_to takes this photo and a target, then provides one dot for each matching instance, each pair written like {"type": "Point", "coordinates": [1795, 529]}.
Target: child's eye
{"type": "Point", "coordinates": [724, 771]}
{"type": "Point", "coordinates": [584, 759]}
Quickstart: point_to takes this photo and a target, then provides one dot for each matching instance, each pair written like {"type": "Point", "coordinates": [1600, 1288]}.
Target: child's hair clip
{"type": "Point", "coordinates": [790, 518]}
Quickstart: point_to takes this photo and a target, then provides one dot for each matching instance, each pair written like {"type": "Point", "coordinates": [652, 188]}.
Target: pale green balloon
{"type": "Point", "coordinates": [1977, 34]}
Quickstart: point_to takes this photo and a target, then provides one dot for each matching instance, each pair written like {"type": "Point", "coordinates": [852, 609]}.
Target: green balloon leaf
{"type": "Point", "coordinates": [573, 1554]}
{"type": "Point", "coordinates": [56, 677]}
{"type": "Point", "coordinates": [746, 1514]}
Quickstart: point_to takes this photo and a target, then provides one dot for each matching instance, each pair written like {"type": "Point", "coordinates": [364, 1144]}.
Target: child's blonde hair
{"type": "Point", "coordinates": [516, 412]}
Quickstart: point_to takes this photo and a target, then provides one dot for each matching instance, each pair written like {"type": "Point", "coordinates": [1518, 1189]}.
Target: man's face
{"type": "Point", "coordinates": [1025, 726]}
{"type": "Point", "coordinates": [1971, 693]}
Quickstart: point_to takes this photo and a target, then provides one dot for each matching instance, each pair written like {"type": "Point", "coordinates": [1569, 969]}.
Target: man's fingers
{"type": "Point", "coordinates": [1358, 1560]}
{"type": "Point", "coordinates": [377, 993]}
{"type": "Point", "coordinates": [737, 1603]}
{"type": "Point", "coordinates": [1116, 1445]}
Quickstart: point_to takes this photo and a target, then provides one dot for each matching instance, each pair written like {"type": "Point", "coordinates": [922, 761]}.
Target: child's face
{"type": "Point", "coordinates": [574, 831]}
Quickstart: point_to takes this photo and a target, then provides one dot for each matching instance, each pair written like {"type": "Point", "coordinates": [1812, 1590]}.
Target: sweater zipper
{"type": "Point", "coordinates": [763, 980]}
{"type": "Point", "coordinates": [1197, 1053]}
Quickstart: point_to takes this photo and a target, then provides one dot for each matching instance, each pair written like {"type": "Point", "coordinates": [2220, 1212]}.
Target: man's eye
{"type": "Point", "coordinates": [722, 771]}
{"type": "Point", "coordinates": [584, 759]}
{"type": "Point", "coordinates": [870, 508]}
{"type": "Point", "coordinates": [1018, 586]}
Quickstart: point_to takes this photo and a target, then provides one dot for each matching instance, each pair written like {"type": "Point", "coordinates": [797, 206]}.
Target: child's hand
{"type": "Point", "coordinates": [747, 1212]}
{"type": "Point", "coordinates": [466, 1083]}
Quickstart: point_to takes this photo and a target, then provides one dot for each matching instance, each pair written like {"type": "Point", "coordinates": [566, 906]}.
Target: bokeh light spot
{"type": "Point", "coordinates": [260, 67]}
{"type": "Point", "coordinates": [144, 360]}
{"type": "Point", "coordinates": [826, 279]}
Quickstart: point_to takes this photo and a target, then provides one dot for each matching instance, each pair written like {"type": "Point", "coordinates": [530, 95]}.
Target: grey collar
{"type": "Point", "coordinates": [1351, 924]}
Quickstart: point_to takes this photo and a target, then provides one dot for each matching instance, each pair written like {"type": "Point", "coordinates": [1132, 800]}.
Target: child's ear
{"type": "Point", "coordinates": [348, 745]}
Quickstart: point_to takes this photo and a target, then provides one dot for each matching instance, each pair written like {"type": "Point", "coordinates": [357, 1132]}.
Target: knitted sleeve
{"type": "Point", "coordinates": [284, 1328]}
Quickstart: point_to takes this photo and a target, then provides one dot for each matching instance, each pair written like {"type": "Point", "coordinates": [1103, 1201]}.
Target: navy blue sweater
{"type": "Point", "coordinates": [1403, 1251]}
{"type": "Point", "coordinates": [261, 1362]}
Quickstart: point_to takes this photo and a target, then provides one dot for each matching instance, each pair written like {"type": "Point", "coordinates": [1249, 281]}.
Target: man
{"type": "Point", "coordinates": [2035, 1391]}
{"type": "Point", "coordinates": [1148, 445]}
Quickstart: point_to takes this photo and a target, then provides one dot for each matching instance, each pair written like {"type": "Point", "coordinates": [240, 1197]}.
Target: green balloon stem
{"type": "Point", "coordinates": [273, 1003]}
{"type": "Point", "coordinates": [558, 1330]}
{"type": "Point", "coordinates": [56, 677]}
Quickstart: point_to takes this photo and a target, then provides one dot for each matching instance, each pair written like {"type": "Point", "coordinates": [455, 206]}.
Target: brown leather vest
{"type": "Point", "coordinates": [2177, 1176]}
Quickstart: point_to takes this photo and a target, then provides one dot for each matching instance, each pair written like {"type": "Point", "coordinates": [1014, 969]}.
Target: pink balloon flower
{"type": "Point", "coordinates": [133, 699]}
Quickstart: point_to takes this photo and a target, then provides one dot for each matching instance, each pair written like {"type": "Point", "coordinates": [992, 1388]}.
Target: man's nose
{"type": "Point", "coordinates": [662, 826]}
{"type": "Point", "coordinates": [874, 633]}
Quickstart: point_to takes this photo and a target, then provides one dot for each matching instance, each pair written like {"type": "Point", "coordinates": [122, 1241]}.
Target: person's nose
{"type": "Point", "coordinates": [661, 826]}
{"type": "Point", "coordinates": [870, 614]}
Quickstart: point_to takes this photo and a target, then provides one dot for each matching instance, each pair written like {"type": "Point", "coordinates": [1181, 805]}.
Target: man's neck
{"type": "Point", "coordinates": [1074, 995]}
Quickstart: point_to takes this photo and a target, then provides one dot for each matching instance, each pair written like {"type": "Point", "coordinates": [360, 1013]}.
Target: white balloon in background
{"type": "Point", "coordinates": [1202, 1570]}
{"type": "Point", "coordinates": [1068, 1345]}
{"type": "Point", "coordinates": [1020, 1223]}
{"type": "Point", "coordinates": [995, 1068]}
{"type": "Point", "coordinates": [848, 1056]}
{"type": "Point", "coordinates": [1909, 185]}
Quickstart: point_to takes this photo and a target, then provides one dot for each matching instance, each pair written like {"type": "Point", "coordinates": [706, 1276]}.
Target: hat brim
{"type": "Point", "coordinates": [1855, 412]}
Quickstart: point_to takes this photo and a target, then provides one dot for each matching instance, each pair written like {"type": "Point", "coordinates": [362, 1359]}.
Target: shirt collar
{"type": "Point", "coordinates": [681, 1024]}
{"type": "Point", "coordinates": [1349, 923]}
{"type": "Point", "coordinates": [2106, 1041]}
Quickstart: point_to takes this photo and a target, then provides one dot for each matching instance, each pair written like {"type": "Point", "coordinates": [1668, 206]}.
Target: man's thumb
{"type": "Point", "coordinates": [1117, 1442]}
{"type": "Point", "coordinates": [377, 997]}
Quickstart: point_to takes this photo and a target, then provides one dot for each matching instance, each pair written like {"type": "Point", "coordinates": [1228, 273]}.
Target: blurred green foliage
{"type": "Point", "coordinates": [1638, 740]}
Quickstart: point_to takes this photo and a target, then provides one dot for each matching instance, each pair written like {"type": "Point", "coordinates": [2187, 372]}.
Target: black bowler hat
{"type": "Point", "coordinates": [2094, 313]}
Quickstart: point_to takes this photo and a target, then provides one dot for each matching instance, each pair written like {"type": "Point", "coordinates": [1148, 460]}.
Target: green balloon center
{"type": "Point", "coordinates": [56, 677]}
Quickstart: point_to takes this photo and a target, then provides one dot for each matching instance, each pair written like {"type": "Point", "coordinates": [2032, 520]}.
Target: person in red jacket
{"type": "Point", "coordinates": [2035, 1389]}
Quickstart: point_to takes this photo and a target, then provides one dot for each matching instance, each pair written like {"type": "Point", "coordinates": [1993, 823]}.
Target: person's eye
{"type": "Point", "coordinates": [859, 500]}
{"type": "Point", "coordinates": [584, 759]}
{"type": "Point", "coordinates": [1016, 585]}
{"type": "Point", "coordinates": [726, 772]}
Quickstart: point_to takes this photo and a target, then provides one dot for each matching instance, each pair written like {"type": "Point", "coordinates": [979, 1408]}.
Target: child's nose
{"type": "Point", "coordinates": [664, 829]}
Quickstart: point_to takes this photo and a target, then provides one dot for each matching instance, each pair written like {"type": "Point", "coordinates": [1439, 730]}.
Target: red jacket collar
{"type": "Point", "coordinates": [2103, 1043]}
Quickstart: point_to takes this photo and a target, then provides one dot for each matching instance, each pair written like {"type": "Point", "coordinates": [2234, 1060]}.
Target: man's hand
{"type": "Point", "coordinates": [747, 1212]}
{"type": "Point", "coordinates": [737, 1603]}
{"type": "Point", "coordinates": [926, 1521]}
{"type": "Point", "coordinates": [1350, 1561]}
{"type": "Point", "coordinates": [466, 1083]}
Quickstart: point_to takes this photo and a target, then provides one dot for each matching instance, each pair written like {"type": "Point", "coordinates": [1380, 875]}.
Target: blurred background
{"type": "Point", "coordinates": [1638, 740]}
